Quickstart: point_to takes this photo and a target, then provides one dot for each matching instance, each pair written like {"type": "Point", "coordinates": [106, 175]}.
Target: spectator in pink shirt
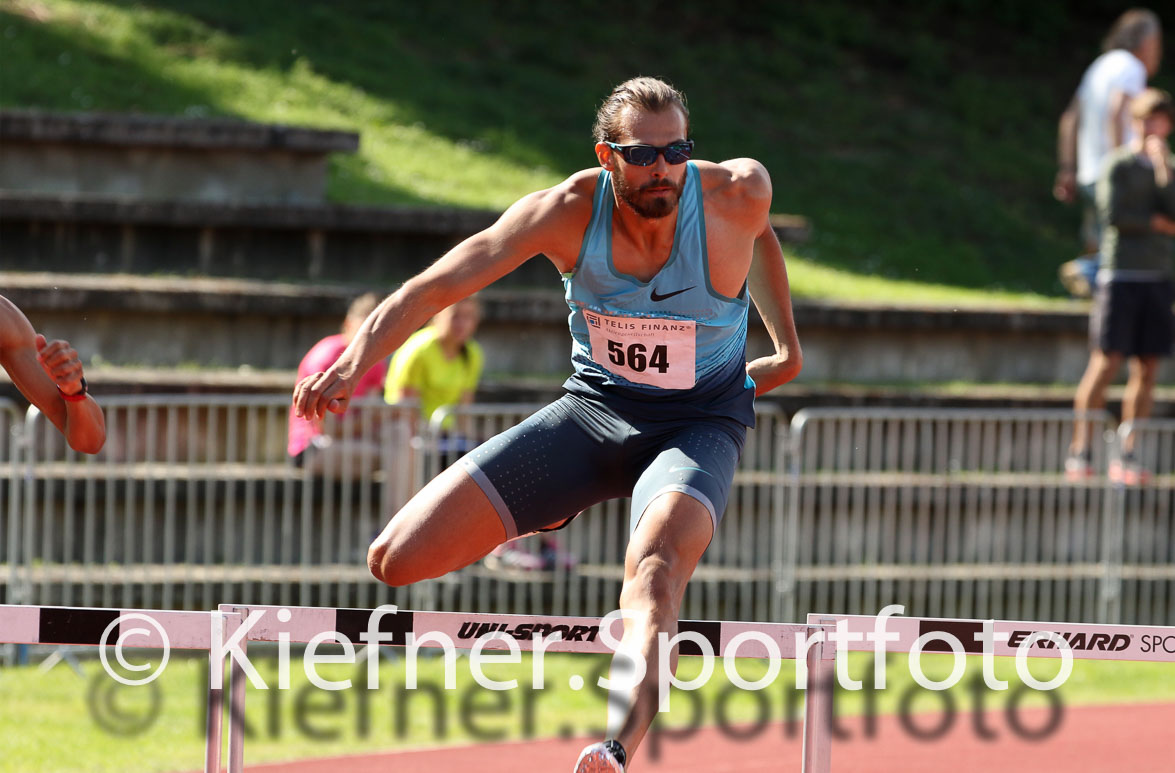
{"type": "Point", "coordinates": [306, 438]}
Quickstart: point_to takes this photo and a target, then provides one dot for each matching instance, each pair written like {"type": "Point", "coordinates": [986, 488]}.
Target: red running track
{"type": "Point", "coordinates": [1134, 738]}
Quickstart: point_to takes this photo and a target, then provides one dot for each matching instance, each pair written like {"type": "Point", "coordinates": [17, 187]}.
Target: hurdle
{"type": "Point", "coordinates": [94, 627]}
{"type": "Point", "coordinates": [578, 634]}
{"type": "Point", "coordinates": [1087, 641]}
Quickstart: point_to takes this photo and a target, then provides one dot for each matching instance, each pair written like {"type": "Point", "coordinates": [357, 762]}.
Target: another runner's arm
{"type": "Point", "coordinates": [523, 231]}
{"type": "Point", "coordinates": [43, 371]}
{"type": "Point", "coordinates": [767, 281]}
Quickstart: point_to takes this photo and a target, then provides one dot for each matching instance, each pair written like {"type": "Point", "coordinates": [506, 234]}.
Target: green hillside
{"type": "Point", "coordinates": [917, 137]}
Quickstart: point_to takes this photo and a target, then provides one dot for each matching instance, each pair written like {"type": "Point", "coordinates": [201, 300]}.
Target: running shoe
{"type": "Point", "coordinates": [1128, 472]}
{"type": "Point", "coordinates": [1079, 467]}
{"type": "Point", "coordinates": [606, 757]}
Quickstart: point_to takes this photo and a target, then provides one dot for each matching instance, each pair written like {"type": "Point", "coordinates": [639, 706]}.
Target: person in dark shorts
{"type": "Point", "coordinates": [660, 257]}
{"type": "Point", "coordinates": [1132, 316]}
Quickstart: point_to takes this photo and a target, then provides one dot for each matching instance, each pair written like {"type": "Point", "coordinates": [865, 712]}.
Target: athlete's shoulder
{"type": "Point", "coordinates": [743, 184]}
{"type": "Point", "coordinates": [554, 206]}
{"type": "Point", "coordinates": [551, 221]}
{"type": "Point", "coordinates": [566, 198]}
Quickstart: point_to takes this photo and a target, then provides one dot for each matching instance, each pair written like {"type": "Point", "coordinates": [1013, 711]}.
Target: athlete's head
{"type": "Point", "coordinates": [1139, 32]}
{"type": "Point", "coordinates": [644, 111]}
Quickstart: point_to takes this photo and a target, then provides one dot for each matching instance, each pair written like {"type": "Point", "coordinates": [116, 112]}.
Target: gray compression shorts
{"type": "Point", "coordinates": [577, 452]}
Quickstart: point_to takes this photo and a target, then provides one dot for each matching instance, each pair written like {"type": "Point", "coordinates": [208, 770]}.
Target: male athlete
{"type": "Point", "coordinates": [657, 255]}
{"type": "Point", "coordinates": [50, 375]}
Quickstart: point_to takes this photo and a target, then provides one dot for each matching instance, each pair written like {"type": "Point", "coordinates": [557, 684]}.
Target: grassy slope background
{"type": "Point", "coordinates": [918, 137]}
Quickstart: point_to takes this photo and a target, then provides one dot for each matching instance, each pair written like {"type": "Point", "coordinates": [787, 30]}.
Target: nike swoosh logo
{"type": "Point", "coordinates": [657, 297]}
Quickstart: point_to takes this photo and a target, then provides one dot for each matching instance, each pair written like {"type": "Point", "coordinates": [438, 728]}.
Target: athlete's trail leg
{"type": "Point", "coordinates": [669, 539]}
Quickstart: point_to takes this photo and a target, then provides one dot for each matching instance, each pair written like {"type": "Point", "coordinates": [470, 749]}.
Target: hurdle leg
{"type": "Point", "coordinates": [214, 720]}
{"type": "Point", "coordinates": [212, 729]}
{"type": "Point", "coordinates": [236, 715]}
{"type": "Point", "coordinates": [817, 755]}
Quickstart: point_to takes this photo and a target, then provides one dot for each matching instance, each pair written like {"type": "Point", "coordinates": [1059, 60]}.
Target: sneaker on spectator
{"type": "Point", "coordinates": [1128, 472]}
{"type": "Point", "coordinates": [1079, 466]}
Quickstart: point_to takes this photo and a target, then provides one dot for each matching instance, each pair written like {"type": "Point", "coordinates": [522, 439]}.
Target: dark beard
{"type": "Point", "coordinates": [652, 207]}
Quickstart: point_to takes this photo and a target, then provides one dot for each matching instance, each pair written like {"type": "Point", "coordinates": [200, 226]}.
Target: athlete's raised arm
{"type": "Point", "coordinates": [537, 223]}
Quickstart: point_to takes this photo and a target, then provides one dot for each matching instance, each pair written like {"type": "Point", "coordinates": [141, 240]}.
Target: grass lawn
{"type": "Point", "coordinates": [58, 721]}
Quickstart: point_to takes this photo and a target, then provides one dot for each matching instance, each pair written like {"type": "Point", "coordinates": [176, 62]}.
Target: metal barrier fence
{"type": "Point", "coordinates": [194, 502]}
{"type": "Point", "coordinates": [955, 513]}
{"type": "Point", "coordinates": [1140, 542]}
{"type": "Point", "coordinates": [10, 489]}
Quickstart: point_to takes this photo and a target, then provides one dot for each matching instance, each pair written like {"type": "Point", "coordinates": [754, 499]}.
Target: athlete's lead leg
{"type": "Point", "coordinates": [449, 524]}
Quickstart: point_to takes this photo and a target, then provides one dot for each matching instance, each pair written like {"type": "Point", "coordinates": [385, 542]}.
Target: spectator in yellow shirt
{"type": "Point", "coordinates": [439, 364]}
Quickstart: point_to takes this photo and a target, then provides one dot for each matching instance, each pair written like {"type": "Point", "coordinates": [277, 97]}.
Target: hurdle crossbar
{"type": "Point", "coordinates": [463, 629]}
{"type": "Point", "coordinates": [95, 627]}
{"type": "Point", "coordinates": [1087, 641]}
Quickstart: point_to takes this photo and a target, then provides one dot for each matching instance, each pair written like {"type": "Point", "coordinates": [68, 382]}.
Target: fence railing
{"type": "Point", "coordinates": [959, 513]}
{"type": "Point", "coordinates": [194, 502]}
{"type": "Point", "coordinates": [11, 437]}
{"type": "Point", "coordinates": [1139, 583]}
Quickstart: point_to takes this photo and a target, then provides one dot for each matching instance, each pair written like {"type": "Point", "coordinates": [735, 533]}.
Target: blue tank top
{"type": "Point", "coordinates": [629, 337]}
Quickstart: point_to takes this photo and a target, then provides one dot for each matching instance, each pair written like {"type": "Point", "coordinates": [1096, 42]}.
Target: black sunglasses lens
{"type": "Point", "coordinates": [677, 154]}
{"type": "Point", "coordinates": [641, 155]}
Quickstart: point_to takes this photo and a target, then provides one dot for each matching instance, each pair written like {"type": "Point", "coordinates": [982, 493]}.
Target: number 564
{"type": "Point", "coordinates": [634, 356]}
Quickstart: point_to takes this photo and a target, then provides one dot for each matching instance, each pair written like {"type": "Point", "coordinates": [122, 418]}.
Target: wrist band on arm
{"type": "Point", "coordinates": [77, 396]}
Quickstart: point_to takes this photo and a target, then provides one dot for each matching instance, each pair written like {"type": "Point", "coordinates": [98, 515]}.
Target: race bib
{"type": "Point", "coordinates": [644, 350]}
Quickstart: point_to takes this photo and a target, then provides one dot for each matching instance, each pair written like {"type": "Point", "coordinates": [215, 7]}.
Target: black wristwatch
{"type": "Point", "coordinates": [77, 396]}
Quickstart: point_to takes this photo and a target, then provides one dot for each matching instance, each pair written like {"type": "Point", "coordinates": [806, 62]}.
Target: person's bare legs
{"type": "Point", "coordinates": [1138, 399]}
{"type": "Point", "coordinates": [1091, 395]}
{"type": "Point", "coordinates": [1140, 392]}
{"type": "Point", "coordinates": [662, 554]}
{"type": "Point", "coordinates": [449, 524]}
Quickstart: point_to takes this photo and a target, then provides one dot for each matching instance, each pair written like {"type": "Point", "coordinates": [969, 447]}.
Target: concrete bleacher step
{"type": "Point", "coordinates": [214, 326]}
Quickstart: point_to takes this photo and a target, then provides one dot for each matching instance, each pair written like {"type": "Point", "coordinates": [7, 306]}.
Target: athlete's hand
{"type": "Point", "coordinates": [61, 364]}
{"type": "Point", "coordinates": [320, 392]}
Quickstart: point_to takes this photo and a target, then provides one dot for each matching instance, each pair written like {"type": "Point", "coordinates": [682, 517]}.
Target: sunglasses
{"type": "Point", "coordinates": [646, 155]}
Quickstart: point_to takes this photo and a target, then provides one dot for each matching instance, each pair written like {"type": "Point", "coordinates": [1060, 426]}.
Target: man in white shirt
{"type": "Point", "coordinates": [1098, 121]}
